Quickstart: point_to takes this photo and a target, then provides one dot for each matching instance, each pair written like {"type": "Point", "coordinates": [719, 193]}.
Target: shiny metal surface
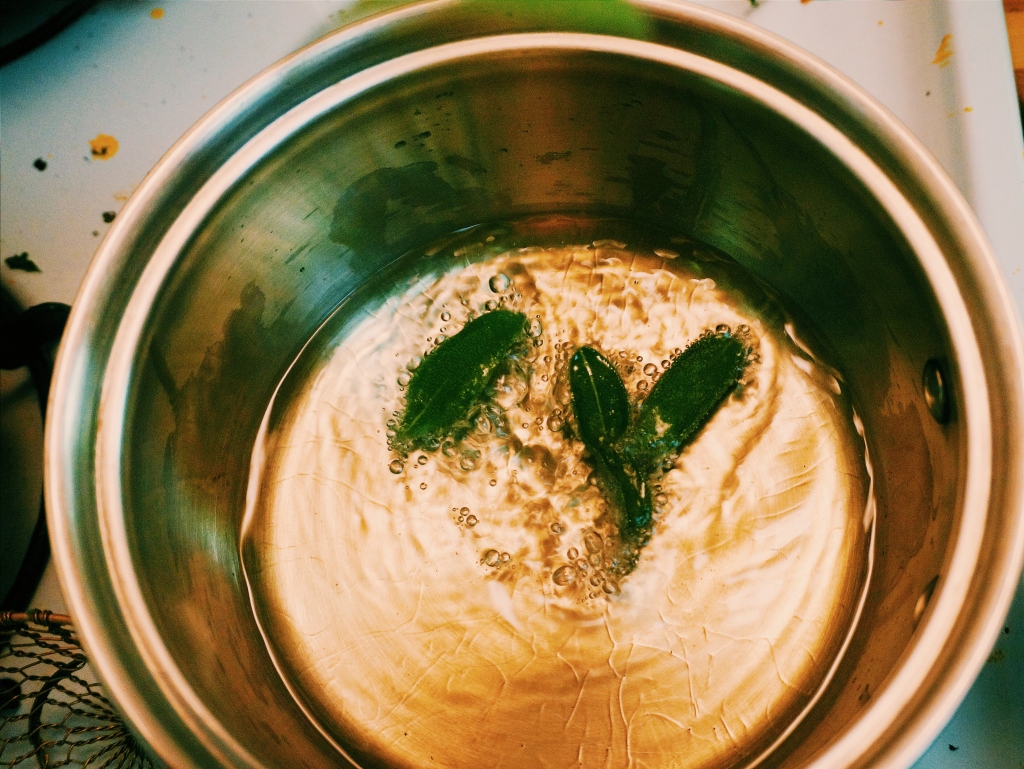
{"type": "Point", "coordinates": [385, 135]}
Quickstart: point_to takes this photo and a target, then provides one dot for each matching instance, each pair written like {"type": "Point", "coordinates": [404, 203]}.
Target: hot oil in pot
{"type": "Point", "coordinates": [465, 605]}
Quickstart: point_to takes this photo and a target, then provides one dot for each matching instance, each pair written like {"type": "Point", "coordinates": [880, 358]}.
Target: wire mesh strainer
{"type": "Point", "coordinates": [54, 711]}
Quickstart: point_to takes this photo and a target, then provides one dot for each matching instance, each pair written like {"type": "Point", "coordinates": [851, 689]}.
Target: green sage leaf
{"type": "Point", "coordinates": [601, 406]}
{"type": "Point", "coordinates": [454, 378]}
{"type": "Point", "coordinates": [599, 399]}
{"type": "Point", "coordinates": [684, 399]}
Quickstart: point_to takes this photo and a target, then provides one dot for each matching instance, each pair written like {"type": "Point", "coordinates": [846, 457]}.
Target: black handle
{"type": "Point", "coordinates": [28, 338]}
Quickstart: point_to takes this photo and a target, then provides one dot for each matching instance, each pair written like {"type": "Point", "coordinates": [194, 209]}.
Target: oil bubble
{"type": "Point", "coordinates": [650, 369]}
{"type": "Point", "coordinates": [504, 557]}
{"type": "Point", "coordinates": [572, 554]}
{"type": "Point", "coordinates": [493, 482]}
{"type": "Point", "coordinates": [471, 520]}
{"type": "Point", "coordinates": [489, 305]}
{"type": "Point", "coordinates": [721, 328]}
{"type": "Point", "coordinates": [421, 459]}
{"type": "Point", "coordinates": [555, 423]}
{"type": "Point", "coordinates": [596, 580]}
{"type": "Point", "coordinates": [446, 315]}
{"type": "Point", "coordinates": [440, 338]}
{"type": "Point", "coordinates": [491, 558]}
{"type": "Point", "coordinates": [415, 363]}
{"type": "Point", "coordinates": [582, 565]}
{"type": "Point", "coordinates": [469, 460]}
{"type": "Point", "coordinates": [538, 342]}
{"type": "Point", "coordinates": [449, 449]}
{"type": "Point", "coordinates": [535, 329]}
{"type": "Point", "coordinates": [499, 283]}
{"type": "Point", "coordinates": [610, 587]}
{"type": "Point", "coordinates": [564, 575]}
{"type": "Point", "coordinates": [404, 378]}
{"type": "Point", "coordinates": [641, 385]}
{"type": "Point", "coordinates": [595, 559]}
{"type": "Point", "coordinates": [464, 511]}
{"type": "Point", "coordinates": [423, 486]}
{"type": "Point", "coordinates": [557, 528]}
{"type": "Point", "coordinates": [593, 542]}
{"type": "Point", "coordinates": [396, 466]}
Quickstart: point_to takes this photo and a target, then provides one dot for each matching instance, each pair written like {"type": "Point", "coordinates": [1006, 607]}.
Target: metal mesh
{"type": "Point", "coordinates": [55, 713]}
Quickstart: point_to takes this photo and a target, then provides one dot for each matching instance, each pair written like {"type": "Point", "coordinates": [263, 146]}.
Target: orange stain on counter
{"type": "Point", "coordinates": [157, 13]}
{"type": "Point", "coordinates": [122, 195]}
{"type": "Point", "coordinates": [104, 147]}
{"type": "Point", "coordinates": [945, 51]}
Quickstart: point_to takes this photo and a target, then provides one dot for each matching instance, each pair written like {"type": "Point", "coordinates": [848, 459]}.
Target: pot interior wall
{"type": "Point", "coordinates": [494, 139]}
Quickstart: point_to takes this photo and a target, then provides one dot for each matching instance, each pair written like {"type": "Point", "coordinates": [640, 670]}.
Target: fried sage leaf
{"type": "Point", "coordinates": [600, 404]}
{"type": "Point", "coordinates": [599, 399]}
{"type": "Point", "coordinates": [684, 399]}
{"type": "Point", "coordinates": [455, 377]}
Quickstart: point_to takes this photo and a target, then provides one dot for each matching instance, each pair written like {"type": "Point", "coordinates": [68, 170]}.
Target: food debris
{"type": "Point", "coordinates": [945, 52]}
{"type": "Point", "coordinates": [40, 164]}
{"type": "Point", "coordinates": [108, 216]}
{"type": "Point", "coordinates": [157, 13]}
{"type": "Point", "coordinates": [22, 262]}
{"type": "Point", "coordinates": [104, 147]}
{"type": "Point", "coordinates": [953, 747]}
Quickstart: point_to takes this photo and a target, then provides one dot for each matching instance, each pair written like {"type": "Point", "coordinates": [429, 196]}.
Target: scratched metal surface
{"type": "Point", "coordinates": [143, 73]}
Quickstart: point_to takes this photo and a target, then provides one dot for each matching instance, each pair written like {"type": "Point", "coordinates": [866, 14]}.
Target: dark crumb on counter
{"type": "Point", "coordinates": [927, 93]}
{"type": "Point", "coordinates": [400, 144]}
{"type": "Point", "coordinates": [95, 233]}
{"type": "Point", "coordinates": [22, 262]}
{"type": "Point", "coordinates": [953, 747]}
{"type": "Point", "coordinates": [108, 216]}
{"type": "Point", "coordinates": [1006, 631]}
{"type": "Point", "coordinates": [39, 164]}
{"type": "Point", "coordinates": [997, 655]}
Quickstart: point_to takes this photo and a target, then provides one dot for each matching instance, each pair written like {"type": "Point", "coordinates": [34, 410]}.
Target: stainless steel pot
{"type": "Point", "coordinates": [437, 116]}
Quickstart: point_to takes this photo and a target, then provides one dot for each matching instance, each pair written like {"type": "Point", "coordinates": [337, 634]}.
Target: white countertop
{"type": "Point", "coordinates": [143, 72]}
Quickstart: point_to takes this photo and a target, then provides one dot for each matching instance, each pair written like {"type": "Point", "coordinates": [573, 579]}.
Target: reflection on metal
{"type": "Point", "coordinates": [935, 391]}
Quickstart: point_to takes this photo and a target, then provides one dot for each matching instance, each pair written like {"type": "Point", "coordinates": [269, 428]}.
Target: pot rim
{"type": "Point", "coordinates": [926, 698]}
